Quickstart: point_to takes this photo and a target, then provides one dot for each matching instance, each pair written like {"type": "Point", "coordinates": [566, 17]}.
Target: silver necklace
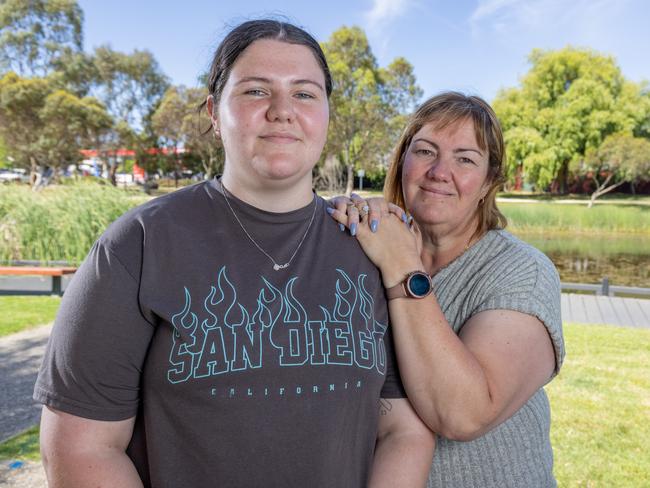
{"type": "Point", "coordinates": [276, 266]}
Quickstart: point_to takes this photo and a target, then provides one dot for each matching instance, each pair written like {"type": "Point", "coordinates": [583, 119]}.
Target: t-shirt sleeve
{"type": "Point", "coordinates": [393, 387]}
{"type": "Point", "coordinates": [94, 357]}
{"type": "Point", "coordinates": [541, 299]}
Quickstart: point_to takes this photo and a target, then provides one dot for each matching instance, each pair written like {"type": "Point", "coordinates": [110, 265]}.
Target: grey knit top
{"type": "Point", "coordinates": [501, 272]}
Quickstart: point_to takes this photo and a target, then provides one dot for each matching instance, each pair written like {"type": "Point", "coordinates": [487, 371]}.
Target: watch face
{"type": "Point", "coordinates": [419, 284]}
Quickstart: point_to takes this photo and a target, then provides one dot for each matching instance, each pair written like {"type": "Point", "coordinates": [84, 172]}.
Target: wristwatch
{"type": "Point", "coordinates": [417, 284]}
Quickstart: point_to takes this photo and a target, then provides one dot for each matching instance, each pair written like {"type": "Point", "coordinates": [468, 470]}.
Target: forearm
{"type": "Point", "coordinates": [401, 460]}
{"type": "Point", "coordinates": [445, 383]}
{"type": "Point", "coordinates": [107, 468]}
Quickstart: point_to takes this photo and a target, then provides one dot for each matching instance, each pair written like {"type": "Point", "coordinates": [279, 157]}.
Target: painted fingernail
{"type": "Point", "coordinates": [373, 225]}
{"type": "Point", "coordinates": [405, 218]}
{"type": "Point", "coordinates": [330, 210]}
{"type": "Point", "coordinates": [353, 230]}
{"type": "Point", "coordinates": [365, 208]}
{"type": "Point", "coordinates": [342, 227]}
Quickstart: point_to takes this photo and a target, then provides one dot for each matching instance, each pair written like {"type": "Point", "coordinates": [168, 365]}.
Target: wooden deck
{"type": "Point", "coordinates": [597, 309]}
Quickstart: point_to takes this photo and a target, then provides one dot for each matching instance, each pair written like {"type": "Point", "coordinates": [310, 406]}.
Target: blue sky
{"type": "Point", "coordinates": [475, 46]}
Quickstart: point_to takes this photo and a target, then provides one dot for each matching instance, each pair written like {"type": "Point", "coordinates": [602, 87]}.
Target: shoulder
{"type": "Point", "coordinates": [174, 209]}
{"type": "Point", "coordinates": [519, 277]}
{"type": "Point", "coordinates": [515, 262]}
{"type": "Point", "coordinates": [511, 269]}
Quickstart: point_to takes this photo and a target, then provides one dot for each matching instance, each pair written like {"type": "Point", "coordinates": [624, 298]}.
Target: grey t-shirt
{"type": "Point", "coordinates": [501, 272]}
{"type": "Point", "coordinates": [239, 375]}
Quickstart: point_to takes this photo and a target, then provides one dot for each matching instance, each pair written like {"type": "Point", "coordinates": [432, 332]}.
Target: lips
{"type": "Point", "coordinates": [437, 191]}
{"type": "Point", "coordinates": [280, 137]}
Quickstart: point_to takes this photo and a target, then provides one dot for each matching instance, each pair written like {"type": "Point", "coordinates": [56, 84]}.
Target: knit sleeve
{"type": "Point", "coordinates": [531, 287]}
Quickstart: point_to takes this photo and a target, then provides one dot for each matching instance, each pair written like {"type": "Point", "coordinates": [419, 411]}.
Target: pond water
{"type": "Point", "coordinates": [585, 258]}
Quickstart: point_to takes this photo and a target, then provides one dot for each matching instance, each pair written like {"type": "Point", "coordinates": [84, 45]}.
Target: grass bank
{"type": "Point", "coordinates": [59, 222]}
{"type": "Point", "coordinates": [551, 217]}
{"type": "Point", "coordinates": [600, 405]}
{"type": "Point", "coordinates": [20, 313]}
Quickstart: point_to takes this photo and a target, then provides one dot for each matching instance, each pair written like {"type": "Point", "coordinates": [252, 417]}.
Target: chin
{"type": "Point", "coordinates": [281, 172]}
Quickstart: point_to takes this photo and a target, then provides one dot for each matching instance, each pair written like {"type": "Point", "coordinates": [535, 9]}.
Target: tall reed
{"type": "Point", "coordinates": [548, 217]}
{"type": "Point", "coordinates": [59, 222]}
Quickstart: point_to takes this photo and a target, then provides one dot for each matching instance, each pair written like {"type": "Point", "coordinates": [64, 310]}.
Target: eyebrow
{"type": "Point", "coordinates": [261, 79]}
{"type": "Point", "coordinates": [459, 150]}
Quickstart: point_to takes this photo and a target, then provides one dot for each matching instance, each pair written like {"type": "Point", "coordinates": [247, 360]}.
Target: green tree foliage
{"type": "Point", "coordinates": [130, 85]}
{"type": "Point", "coordinates": [567, 104]}
{"type": "Point", "coordinates": [621, 158]}
{"type": "Point", "coordinates": [3, 154]}
{"type": "Point", "coordinates": [43, 125]}
{"type": "Point", "coordinates": [368, 102]}
{"type": "Point", "coordinates": [44, 38]}
{"type": "Point", "coordinates": [179, 124]}
{"type": "Point", "coordinates": [37, 34]}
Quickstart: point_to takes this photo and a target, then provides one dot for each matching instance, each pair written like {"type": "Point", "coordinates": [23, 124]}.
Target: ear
{"type": "Point", "coordinates": [212, 113]}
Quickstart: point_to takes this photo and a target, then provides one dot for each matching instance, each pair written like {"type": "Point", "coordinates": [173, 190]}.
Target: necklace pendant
{"type": "Point", "coordinates": [278, 267]}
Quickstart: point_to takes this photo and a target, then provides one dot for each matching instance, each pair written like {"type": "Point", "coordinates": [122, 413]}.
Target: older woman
{"type": "Point", "coordinates": [196, 346]}
{"type": "Point", "coordinates": [475, 311]}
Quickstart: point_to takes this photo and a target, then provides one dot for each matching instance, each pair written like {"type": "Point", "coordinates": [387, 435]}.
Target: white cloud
{"type": "Point", "coordinates": [585, 16]}
{"type": "Point", "coordinates": [486, 8]}
{"type": "Point", "coordinates": [383, 11]}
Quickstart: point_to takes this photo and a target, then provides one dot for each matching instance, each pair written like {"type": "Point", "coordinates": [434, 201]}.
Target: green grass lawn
{"type": "Point", "coordinates": [600, 406]}
{"type": "Point", "coordinates": [23, 447]}
{"type": "Point", "coordinates": [21, 312]}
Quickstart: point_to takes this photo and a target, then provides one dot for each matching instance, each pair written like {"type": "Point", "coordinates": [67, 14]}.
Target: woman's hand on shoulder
{"type": "Point", "coordinates": [351, 211]}
{"type": "Point", "coordinates": [384, 233]}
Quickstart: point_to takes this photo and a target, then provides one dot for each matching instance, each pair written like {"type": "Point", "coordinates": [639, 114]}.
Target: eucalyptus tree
{"type": "Point", "coordinates": [43, 125]}
{"type": "Point", "coordinates": [36, 34]}
{"type": "Point", "coordinates": [180, 123]}
{"type": "Point", "coordinates": [367, 101]}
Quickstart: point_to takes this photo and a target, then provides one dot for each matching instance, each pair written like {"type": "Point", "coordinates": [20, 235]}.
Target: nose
{"type": "Point", "coordinates": [440, 170]}
{"type": "Point", "coordinates": [280, 109]}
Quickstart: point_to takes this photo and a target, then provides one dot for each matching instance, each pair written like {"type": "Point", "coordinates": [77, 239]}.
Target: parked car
{"type": "Point", "coordinates": [13, 175]}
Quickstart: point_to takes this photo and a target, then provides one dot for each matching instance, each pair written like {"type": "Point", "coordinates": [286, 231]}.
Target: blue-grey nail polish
{"type": "Point", "coordinates": [405, 218]}
{"type": "Point", "coordinates": [353, 230]}
{"type": "Point", "coordinates": [330, 210]}
{"type": "Point", "coordinates": [373, 225]}
{"type": "Point", "coordinates": [342, 227]}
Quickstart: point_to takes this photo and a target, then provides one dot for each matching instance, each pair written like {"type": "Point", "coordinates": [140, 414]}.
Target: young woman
{"type": "Point", "coordinates": [475, 311]}
{"type": "Point", "coordinates": [212, 337]}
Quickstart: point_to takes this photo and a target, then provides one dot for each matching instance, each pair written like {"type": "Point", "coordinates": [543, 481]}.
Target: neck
{"type": "Point", "coordinates": [439, 248]}
{"type": "Point", "coordinates": [272, 196]}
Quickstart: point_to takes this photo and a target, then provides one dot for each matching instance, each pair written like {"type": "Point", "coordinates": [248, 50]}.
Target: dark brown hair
{"type": "Point", "coordinates": [242, 36]}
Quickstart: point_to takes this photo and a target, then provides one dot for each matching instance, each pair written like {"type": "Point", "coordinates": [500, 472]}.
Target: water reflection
{"type": "Point", "coordinates": [587, 259]}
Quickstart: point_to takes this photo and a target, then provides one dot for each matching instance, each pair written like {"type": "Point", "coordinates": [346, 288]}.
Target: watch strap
{"type": "Point", "coordinates": [401, 290]}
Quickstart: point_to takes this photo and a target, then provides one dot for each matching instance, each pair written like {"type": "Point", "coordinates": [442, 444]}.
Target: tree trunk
{"type": "Point", "coordinates": [563, 177]}
{"type": "Point", "coordinates": [34, 173]}
{"type": "Point", "coordinates": [349, 185]}
{"type": "Point", "coordinates": [602, 189]}
{"type": "Point", "coordinates": [111, 173]}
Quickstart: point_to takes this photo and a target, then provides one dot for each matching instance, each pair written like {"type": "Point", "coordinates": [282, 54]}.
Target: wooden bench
{"type": "Point", "coordinates": [55, 273]}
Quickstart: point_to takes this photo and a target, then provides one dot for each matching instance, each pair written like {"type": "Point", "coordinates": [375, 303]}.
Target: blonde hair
{"type": "Point", "coordinates": [444, 110]}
